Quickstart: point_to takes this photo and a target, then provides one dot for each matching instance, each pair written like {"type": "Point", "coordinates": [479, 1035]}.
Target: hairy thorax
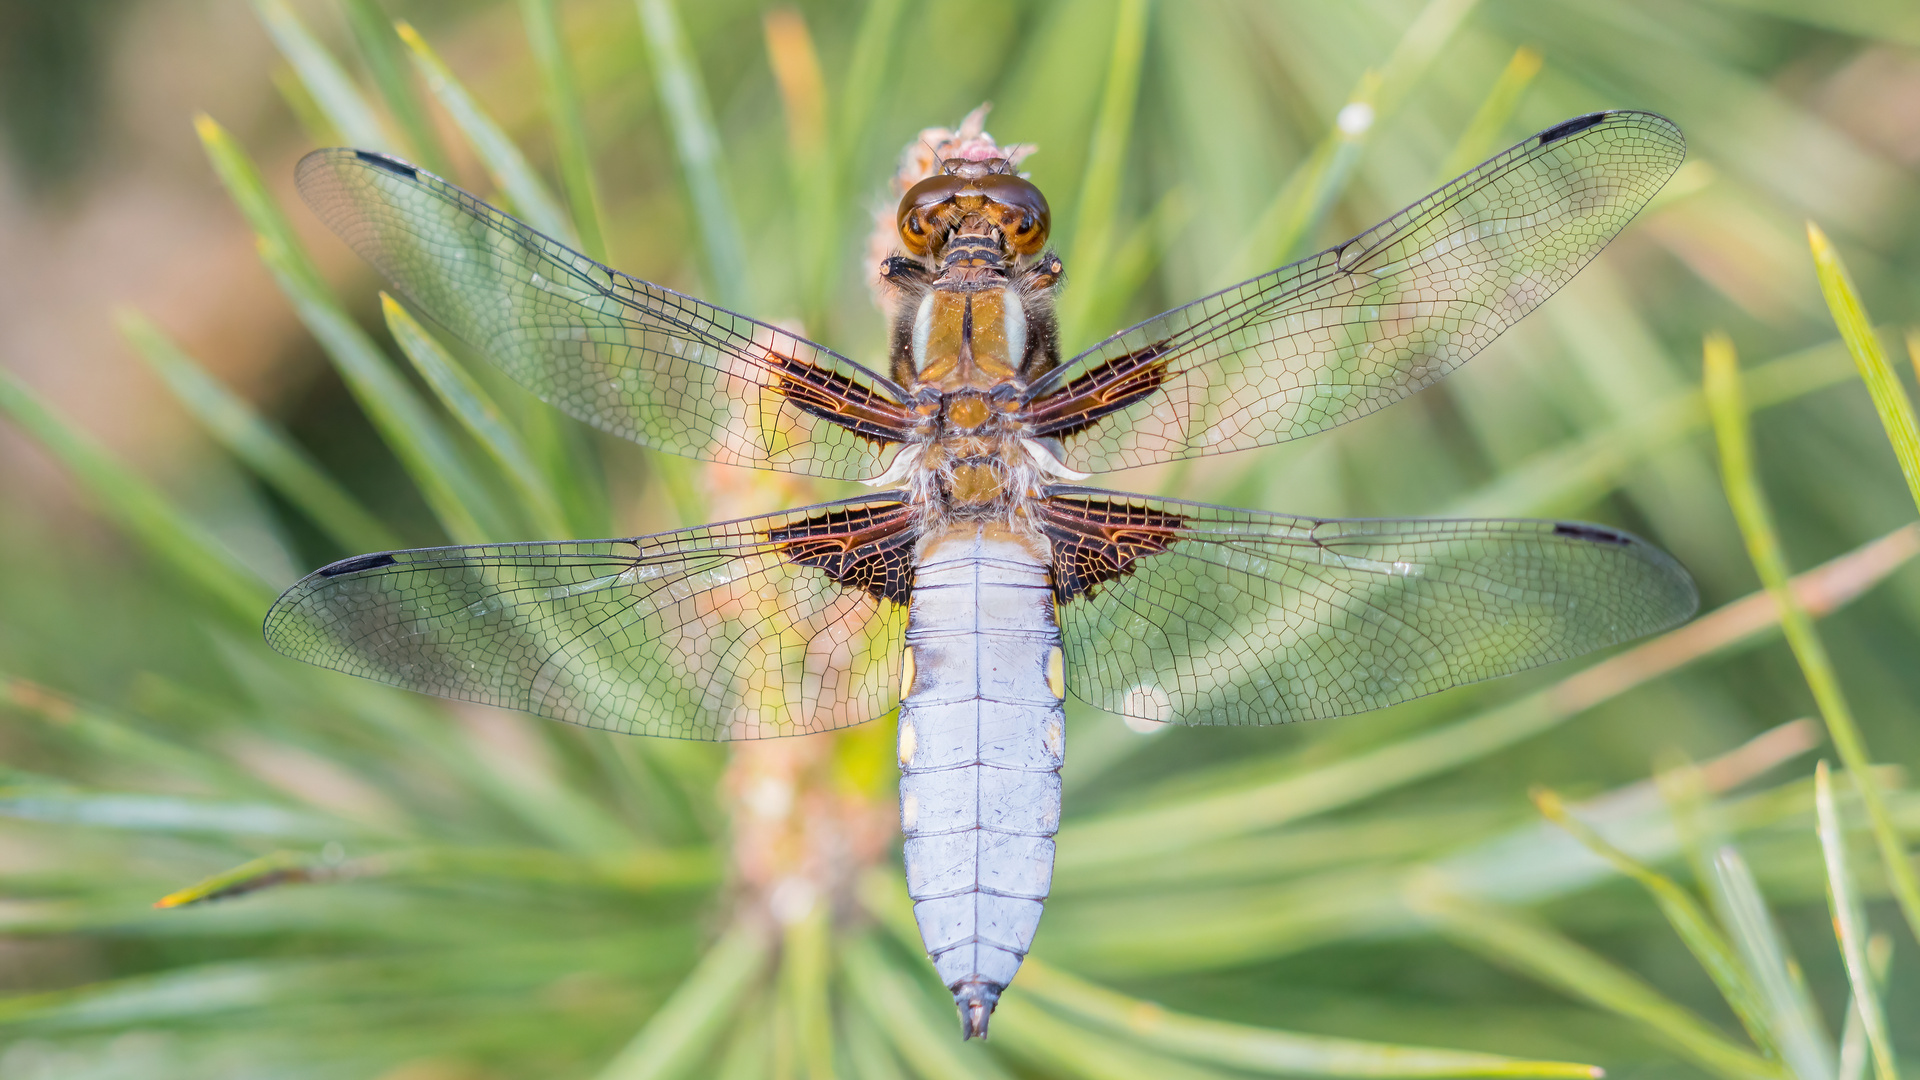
{"type": "Point", "coordinates": [974, 326]}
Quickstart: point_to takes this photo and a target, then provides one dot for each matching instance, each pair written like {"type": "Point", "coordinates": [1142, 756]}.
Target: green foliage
{"type": "Point", "coordinates": [569, 132]}
{"type": "Point", "coordinates": [1093, 225]}
{"type": "Point", "coordinates": [1889, 397]}
{"type": "Point", "coordinates": [358, 883]}
{"type": "Point", "coordinates": [324, 79]}
{"type": "Point", "coordinates": [526, 194]}
{"type": "Point", "coordinates": [468, 401]}
{"type": "Point", "coordinates": [1850, 926]}
{"type": "Point", "coordinates": [696, 145]}
{"type": "Point", "coordinates": [1763, 545]}
{"type": "Point", "coordinates": [146, 514]}
{"type": "Point", "coordinates": [257, 442]}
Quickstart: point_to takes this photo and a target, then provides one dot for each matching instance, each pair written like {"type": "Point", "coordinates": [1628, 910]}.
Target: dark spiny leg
{"type": "Point", "coordinates": [904, 272]}
{"type": "Point", "coordinates": [1037, 284]}
{"type": "Point", "coordinates": [1046, 271]}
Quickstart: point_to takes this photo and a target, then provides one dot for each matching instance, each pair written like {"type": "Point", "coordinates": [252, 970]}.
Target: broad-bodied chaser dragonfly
{"type": "Point", "coordinates": [981, 584]}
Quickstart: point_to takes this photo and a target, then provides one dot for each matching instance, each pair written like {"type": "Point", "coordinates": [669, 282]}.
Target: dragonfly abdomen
{"type": "Point", "coordinates": [982, 740]}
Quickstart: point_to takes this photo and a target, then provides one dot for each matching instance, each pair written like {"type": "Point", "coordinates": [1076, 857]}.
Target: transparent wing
{"type": "Point", "coordinates": [777, 625]}
{"type": "Point", "coordinates": [647, 363]}
{"type": "Point", "coordinates": [1362, 325]}
{"type": "Point", "coordinates": [1204, 615]}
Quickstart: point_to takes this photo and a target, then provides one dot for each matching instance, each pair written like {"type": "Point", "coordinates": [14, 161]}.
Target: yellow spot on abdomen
{"type": "Point", "coordinates": [907, 740]}
{"type": "Point", "coordinates": [906, 672]}
{"type": "Point", "coordinates": [1057, 673]}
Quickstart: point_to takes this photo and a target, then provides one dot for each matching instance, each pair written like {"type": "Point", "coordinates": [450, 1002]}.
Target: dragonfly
{"type": "Point", "coordinates": [981, 580]}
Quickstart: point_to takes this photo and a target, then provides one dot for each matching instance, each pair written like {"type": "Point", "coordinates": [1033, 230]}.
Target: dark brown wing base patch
{"type": "Point", "coordinates": [869, 548]}
{"type": "Point", "coordinates": [840, 399]}
{"type": "Point", "coordinates": [1108, 388]}
{"type": "Point", "coordinates": [1095, 540]}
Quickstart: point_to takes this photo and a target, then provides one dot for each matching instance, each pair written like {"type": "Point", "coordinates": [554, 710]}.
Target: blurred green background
{"type": "Point", "coordinates": [454, 893]}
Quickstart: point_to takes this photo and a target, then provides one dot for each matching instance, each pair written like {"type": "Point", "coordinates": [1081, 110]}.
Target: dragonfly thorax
{"type": "Point", "coordinates": [973, 327]}
{"type": "Point", "coordinates": [967, 339]}
{"type": "Point", "coordinates": [975, 303]}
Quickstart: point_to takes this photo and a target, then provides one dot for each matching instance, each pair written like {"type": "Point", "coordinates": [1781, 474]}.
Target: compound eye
{"type": "Point", "coordinates": [1031, 218]}
{"type": "Point", "coordinates": [918, 206]}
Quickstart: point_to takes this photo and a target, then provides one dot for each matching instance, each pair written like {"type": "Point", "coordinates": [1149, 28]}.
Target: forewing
{"type": "Point", "coordinates": [626, 356]}
{"type": "Point", "coordinates": [1362, 325]}
{"type": "Point", "coordinates": [1198, 614]}
{"type": "Point", "coordinates": [777, 625]}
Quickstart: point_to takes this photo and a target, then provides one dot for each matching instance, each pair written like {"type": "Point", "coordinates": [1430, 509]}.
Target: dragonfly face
{"type": "Point", "coordinates": [977, 587]}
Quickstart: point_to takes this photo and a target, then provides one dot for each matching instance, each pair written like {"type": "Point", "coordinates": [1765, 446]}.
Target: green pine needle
{"type": "Point", "coordinates": [1726, 399]}
{"type": "Point", "coordinates": [1890, 398]}
{"type": "Point", "coordinates": [526, 194]}
{"type": "Point", "coordinates": [1850, 927]}
{"type": "Point", "coordinates": [145, 513]}
{"type": "Point", "coordinates": [258, 443]}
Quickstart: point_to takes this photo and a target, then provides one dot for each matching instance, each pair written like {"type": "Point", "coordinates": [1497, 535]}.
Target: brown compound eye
{"type": "Point", "coordinates": [1029, 219]}
{"type": "Point", "coordinates": [920, 204]}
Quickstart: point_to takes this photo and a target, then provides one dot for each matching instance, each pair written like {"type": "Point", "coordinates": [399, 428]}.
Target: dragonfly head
{"type": "Point", "coordinates": [974, 199]}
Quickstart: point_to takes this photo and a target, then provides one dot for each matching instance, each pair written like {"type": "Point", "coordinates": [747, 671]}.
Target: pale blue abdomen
{"type": "Point", "coordinates": [981, 745]}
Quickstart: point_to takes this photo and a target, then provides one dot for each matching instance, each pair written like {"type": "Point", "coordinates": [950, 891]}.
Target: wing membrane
{"type": "Point", "coordinates": [1204, 615]}
{"type": "Point", "coordinates": [778, 625]}
{"type": "Point", "coordinates": [626, 356]}
{"type": "Point", "coordinates": [1362, 325]}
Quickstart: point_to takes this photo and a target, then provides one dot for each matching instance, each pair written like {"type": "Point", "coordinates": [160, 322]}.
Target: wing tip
{"type": "Point", "coordinates": [273, 625]}
{"type": "Point", "coordinates": [330, 161]}
{"type": "Point", "coordinates": [1567, 128]}
{"type": "Point", "coordinates": [1680, 600]}
{"type": "Point", "coordinates": [1598, 534]}
{"type": "Point", "coordinates": [1643, 118]}
{"type": "Point", "coordinates": [357, 564]}
{"type": "Point", "coordinates": [387, 163]}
